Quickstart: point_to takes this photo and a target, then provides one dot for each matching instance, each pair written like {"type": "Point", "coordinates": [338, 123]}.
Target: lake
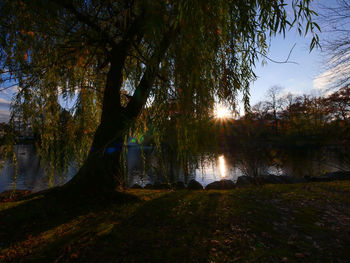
{"type": "Point", "coordinates": [32, 176]}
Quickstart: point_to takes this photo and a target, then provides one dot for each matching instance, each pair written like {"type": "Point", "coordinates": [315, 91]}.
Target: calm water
{"type": "Point", "coordinates": [31, 175]}
{"type": "Point", "coordinates": [210, 170]}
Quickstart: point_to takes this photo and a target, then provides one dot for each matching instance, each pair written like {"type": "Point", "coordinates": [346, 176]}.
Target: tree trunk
{"type": "Point", "coordinates": [101, 171]}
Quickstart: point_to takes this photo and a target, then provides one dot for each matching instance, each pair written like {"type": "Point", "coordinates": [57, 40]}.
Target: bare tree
{"type": "Point", "coordinates": [274, 103]}
{"type": "Point", "coordinates": [259, 110]}
{"type": "Point", "coordinates": [336, 23]}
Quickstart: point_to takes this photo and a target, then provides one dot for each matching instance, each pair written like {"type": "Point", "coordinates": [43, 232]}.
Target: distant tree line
{"type": "Point", "coordinates": [290, 130]}
{"type": "Point", "coordinates": [324, 116]}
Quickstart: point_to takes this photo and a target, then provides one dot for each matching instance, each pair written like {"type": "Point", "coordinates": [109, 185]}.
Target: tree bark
{"type": "Point", "coordinates": [101, 171]}
{"type": "Point", "coordinates": [102, 166]}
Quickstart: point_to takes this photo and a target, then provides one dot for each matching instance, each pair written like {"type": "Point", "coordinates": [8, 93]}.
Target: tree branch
{"type": "Point", "coordinates": [118, 55]}
{"type": "Point", "coordinates": [281, 62]}
{"type": "Point", "coordinates": [142, 91]}
{"type": "Point", "coordinates": [86, 20]}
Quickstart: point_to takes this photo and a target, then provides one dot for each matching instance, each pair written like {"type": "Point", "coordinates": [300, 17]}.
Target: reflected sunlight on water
{"type": "Point", "coordinates": [32, 175]}
{"type": "Point", "coordinates": [222, 166]}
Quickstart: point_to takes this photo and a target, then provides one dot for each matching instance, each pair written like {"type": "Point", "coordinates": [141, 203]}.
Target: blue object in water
{"type": "Point", "coordinates": [110, 150]}
{"type": "Point", "coordinates": [117, 147]}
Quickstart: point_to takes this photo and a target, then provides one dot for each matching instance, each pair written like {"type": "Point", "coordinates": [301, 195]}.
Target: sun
{"type": "Point", "coordinates": [222, 112]}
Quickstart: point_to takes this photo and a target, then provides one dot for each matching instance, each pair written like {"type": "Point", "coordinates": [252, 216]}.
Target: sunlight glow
{"type": "Point", "coordinates": [222, 166]}
{"type": "Point", "coordinates": [222, 112]}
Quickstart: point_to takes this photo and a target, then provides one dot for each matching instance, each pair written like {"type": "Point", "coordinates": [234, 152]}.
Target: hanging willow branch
{"type": "Point", "coordinates": [175, 59]}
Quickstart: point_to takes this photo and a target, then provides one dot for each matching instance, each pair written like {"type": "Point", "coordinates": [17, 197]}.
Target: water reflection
{"type": "Point", "coordinates": [216, 168]}
{"type": "Point", "coordinates": [31, 175]}
{"type": "Point", "coordinates": [222, 166]}
{"type": "Point", "coordinates": [147, 170]}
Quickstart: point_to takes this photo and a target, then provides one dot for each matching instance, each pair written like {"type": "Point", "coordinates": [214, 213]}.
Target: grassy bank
{"type": "Point", "coordinates": [271, 223]}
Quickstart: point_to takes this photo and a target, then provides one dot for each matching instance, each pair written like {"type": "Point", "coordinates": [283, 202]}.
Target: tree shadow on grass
{"type": "Point", "coordinates": [173, 228]}
{"type": "Point", "coordinates": [48, 210]}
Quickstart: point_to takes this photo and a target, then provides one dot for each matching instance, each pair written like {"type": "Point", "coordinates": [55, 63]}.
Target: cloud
{"type": "Point", "coordinates": [4, 103]}
{"type": "Point", "coordinates": [4, 115]}
{"type": "Point", "coordinates": [322, 81]}
{"type": "Point", "coordinates": [333, 77]}
{"type": "Point", "coordinates": [293, 92]}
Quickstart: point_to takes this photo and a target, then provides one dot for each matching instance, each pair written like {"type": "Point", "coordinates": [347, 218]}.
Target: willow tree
{"type": "Point", "coordinates": [115, 62]}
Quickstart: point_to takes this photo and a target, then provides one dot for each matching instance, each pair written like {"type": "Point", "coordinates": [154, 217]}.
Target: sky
{"type": "Point", "coordinates": [5, 99]}
{"type": "Point", "coordinates": [307, 76]}
{"type": "Point", "coordinates": [298, 76]}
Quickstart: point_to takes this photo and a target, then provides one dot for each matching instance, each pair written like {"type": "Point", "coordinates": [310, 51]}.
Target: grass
{"type": "Point", "coordinates": [271, 223]}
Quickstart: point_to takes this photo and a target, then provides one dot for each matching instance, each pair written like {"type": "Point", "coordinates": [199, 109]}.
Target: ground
{"type": "Point", "coordinates": [272, 223]}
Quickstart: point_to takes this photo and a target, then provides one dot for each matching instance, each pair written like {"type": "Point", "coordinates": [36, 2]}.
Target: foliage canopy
{"type": "Point", "coordinates": [82, 68]}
